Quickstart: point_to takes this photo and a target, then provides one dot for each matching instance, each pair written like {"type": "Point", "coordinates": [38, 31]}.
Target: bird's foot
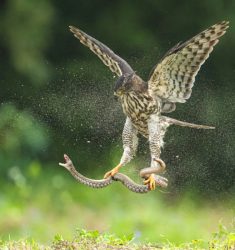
{"type": "Point", "coordinates": [112, 172]}
{"type": "Point", "coordinates": [156, 180]}
{"type": "Point", "coordinates": [150, 181]}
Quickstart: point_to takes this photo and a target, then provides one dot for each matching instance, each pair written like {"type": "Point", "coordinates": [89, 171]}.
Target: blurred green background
{"type": "Point", "coordinates": [57, 97]}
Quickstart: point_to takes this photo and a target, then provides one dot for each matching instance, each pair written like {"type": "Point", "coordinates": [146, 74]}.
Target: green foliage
{"type": "Point", "coordinates": [19, 129]}
{"type": "Point", "coordinates": [88, 240]}
{"type": "Point", "coordinates": [22, 244]}
{"type": "Point", "coordinates": [92, 239]}
{"type": "Point", "coordinates": [223, 239]}
{"type": "Point", "coordinates": [27, 36]}
{"type": "Point", "coordinates": [20, 132]}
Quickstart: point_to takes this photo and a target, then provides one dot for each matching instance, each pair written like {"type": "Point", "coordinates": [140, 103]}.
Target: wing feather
{"type": "Point", "coordinates": [173, 77]}
{"type": "Point", "coordinates": [115, 63]}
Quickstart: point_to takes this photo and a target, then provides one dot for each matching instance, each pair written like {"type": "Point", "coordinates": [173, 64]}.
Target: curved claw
{"type": "Point", "coordinates": [112, 172]}
{"type": "Point", "coordinates": [151, 182]}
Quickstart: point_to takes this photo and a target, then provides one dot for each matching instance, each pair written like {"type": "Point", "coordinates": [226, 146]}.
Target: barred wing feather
{"type": "Point", "coordinates": [172, 79]}
{"type": "Point", "coordinates": [115, 63]}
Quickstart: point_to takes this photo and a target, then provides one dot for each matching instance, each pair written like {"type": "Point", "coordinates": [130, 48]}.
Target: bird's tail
{"type": "Point", "coordinates": [172, 121]}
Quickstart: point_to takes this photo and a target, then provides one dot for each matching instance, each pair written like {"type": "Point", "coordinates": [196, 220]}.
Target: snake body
{"type": "Point", "coordinates": [124, 179]}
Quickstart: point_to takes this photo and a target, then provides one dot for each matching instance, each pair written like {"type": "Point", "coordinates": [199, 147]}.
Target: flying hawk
{"type": "Point", "coordinates": [170, 82]}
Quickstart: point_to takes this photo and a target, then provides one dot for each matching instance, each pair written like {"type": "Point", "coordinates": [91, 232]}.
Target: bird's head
{"type": "Point", "coordinates": [124, 84]}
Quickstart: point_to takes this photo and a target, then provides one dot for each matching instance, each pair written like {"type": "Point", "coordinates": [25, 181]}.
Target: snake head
{"type": "Point", "coordinates": [68, 163]}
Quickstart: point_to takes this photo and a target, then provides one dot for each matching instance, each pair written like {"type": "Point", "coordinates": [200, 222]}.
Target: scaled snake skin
{"type": "Point", "coordinates": [124, 179]}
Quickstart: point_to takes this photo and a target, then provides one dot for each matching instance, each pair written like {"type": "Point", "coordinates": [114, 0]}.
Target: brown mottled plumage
{"type": "Point", "coordinates": [171, 81]}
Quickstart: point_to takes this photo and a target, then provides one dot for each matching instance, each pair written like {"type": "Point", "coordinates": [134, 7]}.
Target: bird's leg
{"type": "Point", "coordinates": [130, 143]}
{"type": "Point", "coordinates": [156, 134]}
{"type": "Point", "coordinates": [113, 171]}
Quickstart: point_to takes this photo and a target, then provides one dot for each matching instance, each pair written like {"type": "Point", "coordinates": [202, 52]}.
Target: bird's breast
{"type": "Point", "coordinates": [139, 107]}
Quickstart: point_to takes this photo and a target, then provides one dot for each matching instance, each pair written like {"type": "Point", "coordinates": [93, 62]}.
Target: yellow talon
{"type": "Point", "coordinates": [113, 171]}
{"type": "Point", "coordinates": [151, 182]}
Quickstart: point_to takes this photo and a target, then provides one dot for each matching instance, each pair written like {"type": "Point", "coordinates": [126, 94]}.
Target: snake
{"type": "Point", "coordinates": [122, 178]}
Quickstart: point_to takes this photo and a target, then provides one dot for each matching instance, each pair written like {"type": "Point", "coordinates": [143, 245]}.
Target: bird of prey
{"type": "Point", "coordinates": [143, 103]}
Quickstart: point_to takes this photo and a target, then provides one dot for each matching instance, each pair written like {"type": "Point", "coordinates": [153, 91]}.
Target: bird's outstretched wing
{"type": "Point", "coordinates": [173, 77]}
{"type": "Point", "coordinates": [107, 56]}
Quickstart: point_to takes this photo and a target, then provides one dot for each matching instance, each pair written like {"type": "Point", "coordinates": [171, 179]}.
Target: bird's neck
{"type": "Point", "coordinates": [138, 84]}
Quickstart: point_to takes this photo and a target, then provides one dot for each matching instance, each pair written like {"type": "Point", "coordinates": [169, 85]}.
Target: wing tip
{"type": "Point", "coordinates": [224, 22]}
{"type": "Point", "coordinates": [224, 25]}
{"type": "Point", "coordinates": [73, 29]}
